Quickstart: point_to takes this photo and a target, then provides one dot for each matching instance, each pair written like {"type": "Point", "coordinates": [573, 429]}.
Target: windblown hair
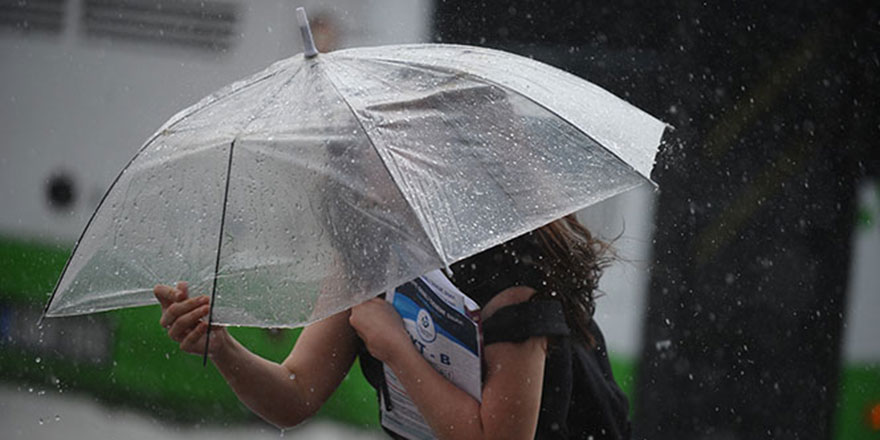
{"type": "Point", "coordinates": [572, 261]}
{"type": "Point", "coordinates": [561, 260]}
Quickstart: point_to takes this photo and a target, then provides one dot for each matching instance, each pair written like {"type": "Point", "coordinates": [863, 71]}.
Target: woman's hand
{"type": "Point", "coordinates": [381, 328]}
{"type": "Point", "coordinates": [182, 318]}
{"type": "Point", "coordinates": [282, 394]}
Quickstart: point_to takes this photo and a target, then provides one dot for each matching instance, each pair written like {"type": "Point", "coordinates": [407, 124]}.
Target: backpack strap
{"type": "Point", "coordinates": [518, 322]}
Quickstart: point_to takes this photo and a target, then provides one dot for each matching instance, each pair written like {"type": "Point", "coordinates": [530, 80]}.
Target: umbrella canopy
{"type": "Point", "coordinates": [324, 180]}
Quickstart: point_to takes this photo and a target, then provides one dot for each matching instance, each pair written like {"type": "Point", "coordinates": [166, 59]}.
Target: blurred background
{"type": "Point", "coordinates": [745, 303]}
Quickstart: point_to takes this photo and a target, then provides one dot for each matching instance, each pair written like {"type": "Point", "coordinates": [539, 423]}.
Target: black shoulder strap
{"type": "Point", "coordinates": [518, 322]}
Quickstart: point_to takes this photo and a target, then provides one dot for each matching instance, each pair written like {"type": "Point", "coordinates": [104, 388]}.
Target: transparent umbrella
{"type": "Point", "coordinates": [328, 178]}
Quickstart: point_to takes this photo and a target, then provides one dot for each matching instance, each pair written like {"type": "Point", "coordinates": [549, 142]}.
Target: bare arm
{"type": "Point", "coordinates": [286, 394]}
{"type": "Point", "coordinates": [283, 394]}
{"type": "Point", "coordinates": [512, 392]}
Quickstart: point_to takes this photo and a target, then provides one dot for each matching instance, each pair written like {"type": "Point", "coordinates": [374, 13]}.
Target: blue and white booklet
{"type": "Point", "coordinates": [443, 325]}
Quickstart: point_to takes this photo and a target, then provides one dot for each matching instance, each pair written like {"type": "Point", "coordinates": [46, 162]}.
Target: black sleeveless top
{"type": "Point", "coordinates": [580, 398]}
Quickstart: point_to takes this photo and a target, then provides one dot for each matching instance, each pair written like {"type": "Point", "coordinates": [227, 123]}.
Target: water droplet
{"type": "Point", "coordinates": [662, 345]}
{"type": "Point", "coordinates": [729, 278]}
{"type": "Point", "coordinates": [292, 376]}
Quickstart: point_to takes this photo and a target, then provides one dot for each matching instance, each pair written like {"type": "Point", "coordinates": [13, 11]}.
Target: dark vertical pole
{"type": "Point", "coordinates": [745, 313]}
{"type": "Point", "coordinates": [219, 248]}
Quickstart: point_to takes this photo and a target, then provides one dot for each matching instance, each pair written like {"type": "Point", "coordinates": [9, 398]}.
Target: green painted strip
{"type": "Point", "coordinates": [624, 370]}
{"type": "Point", "coordinates": [28, 270]}
{"type": "Point", "coordinates": [859, 393]}
{"type": "Point", "coordinates": [147, 369]}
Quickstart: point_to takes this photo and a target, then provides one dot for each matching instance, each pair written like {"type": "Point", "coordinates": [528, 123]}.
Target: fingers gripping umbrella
{"type": "Point", "coordinates": [328, 178]}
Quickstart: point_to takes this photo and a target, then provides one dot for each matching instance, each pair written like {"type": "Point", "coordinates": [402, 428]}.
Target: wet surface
{"type": "Point", "coordinates": [29, 413]}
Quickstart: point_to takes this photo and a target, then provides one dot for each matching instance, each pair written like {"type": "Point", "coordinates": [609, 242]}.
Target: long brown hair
{"type": "Point", "coordinates": [572, 261]}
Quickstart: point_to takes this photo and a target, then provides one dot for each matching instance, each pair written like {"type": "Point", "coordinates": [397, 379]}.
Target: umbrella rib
{"type": "Point", "coordinates": [265, 105]}
{"type": "Point", "coordinates": [217, 260]}
{"type": "Point", "coordinates": [570, 124]}
{"type": "Point", "coordinates": [437, 247]}
{"type": "Point", "coordinates": [485, 80]}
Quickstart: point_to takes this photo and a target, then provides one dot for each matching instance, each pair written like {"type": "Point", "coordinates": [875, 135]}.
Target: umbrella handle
{"type": "Point", "coordinates": [308, 42]}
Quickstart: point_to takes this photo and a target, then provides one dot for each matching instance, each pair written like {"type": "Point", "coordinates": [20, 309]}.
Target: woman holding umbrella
{"type": "Point", "coordinates": [546, 373]}
{"type": "Point", "coordinates": [450, 149]}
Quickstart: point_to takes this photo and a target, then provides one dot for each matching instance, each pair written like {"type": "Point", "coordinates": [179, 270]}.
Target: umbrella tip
{"type": "Point", "coordinates": [308, 42]}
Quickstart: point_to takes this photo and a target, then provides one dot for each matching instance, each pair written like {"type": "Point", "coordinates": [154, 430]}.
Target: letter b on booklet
{"type": "Point", "coordinates": [443, 325]}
